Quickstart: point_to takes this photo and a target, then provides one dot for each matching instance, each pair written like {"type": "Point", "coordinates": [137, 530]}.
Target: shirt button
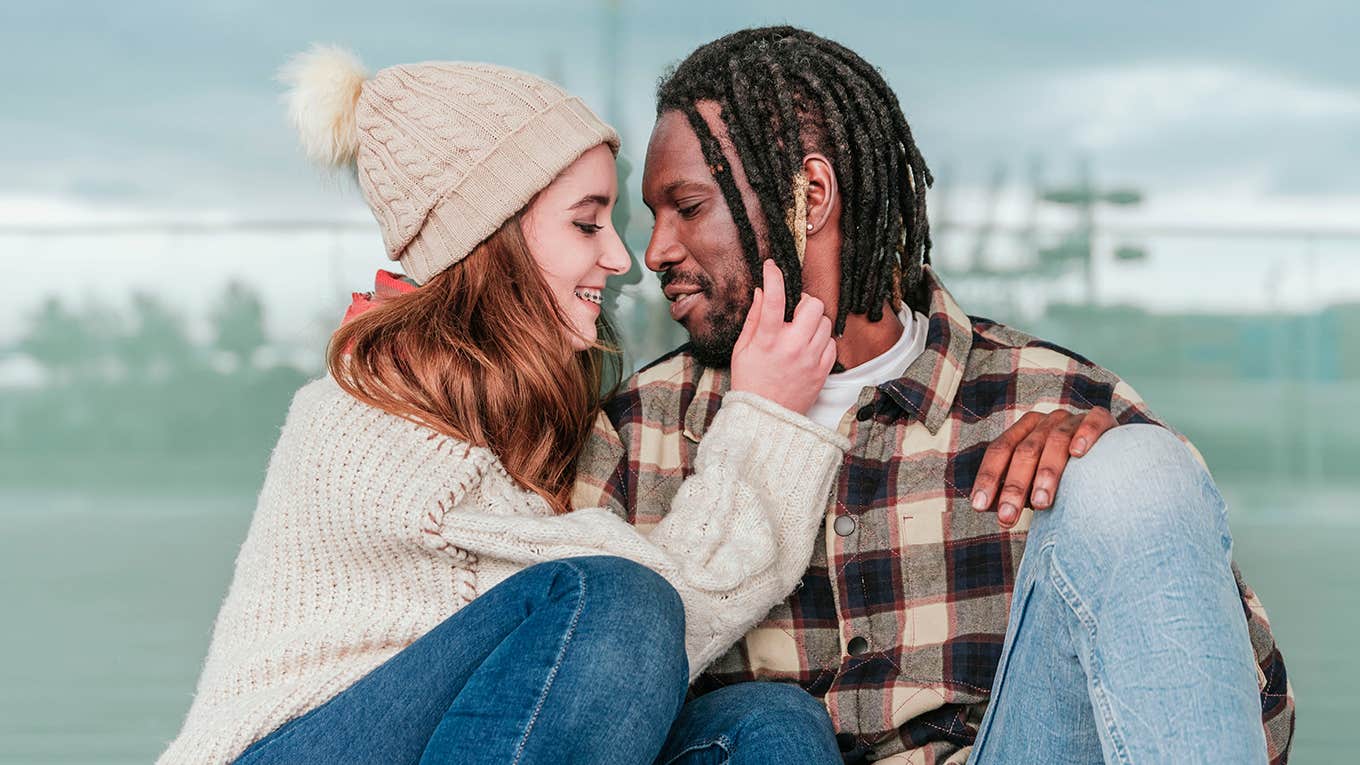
{"type": "Point", "coordinates": [865, 412]}
{"type": "Point", "coordinates": [846, 741]}
{"type": "Point", "coordinates": [858, 646]}
{"type": "Point", "coordinates": [844, 525]}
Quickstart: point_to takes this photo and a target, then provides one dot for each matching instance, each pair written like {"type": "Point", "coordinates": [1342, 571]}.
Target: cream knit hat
{"type": "Point", "coordinates": [444, 151]}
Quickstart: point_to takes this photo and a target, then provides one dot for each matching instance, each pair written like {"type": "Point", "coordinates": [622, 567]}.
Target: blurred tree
{"type": "Point", "coordinates": [58, 340]}
{"type": "Point", "coordinates": [157, 346]}
{"type": "Point", "coordinates": [238, 324]}
{"type": "Point", "coordinates": [105, 327]}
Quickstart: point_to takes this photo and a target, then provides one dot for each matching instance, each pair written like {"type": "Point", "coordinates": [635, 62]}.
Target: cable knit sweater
{"type": "Point", "coordinates": [371, 530]}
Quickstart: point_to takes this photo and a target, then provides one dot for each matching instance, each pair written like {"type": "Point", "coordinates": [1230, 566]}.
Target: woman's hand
{"type": "Point", "coordinates": [785, 362]}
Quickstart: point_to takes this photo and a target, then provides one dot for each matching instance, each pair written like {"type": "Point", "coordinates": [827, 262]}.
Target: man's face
{"type": "Point", "coordinates": [695, 246]}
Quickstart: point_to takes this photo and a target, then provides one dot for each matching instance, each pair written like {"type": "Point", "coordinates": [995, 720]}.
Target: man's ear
{"type": "Point", "coordinates": [822, 191]}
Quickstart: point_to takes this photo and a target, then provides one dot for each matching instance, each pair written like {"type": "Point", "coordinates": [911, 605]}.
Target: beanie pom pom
{"type": "Point", "coordinates": [324, 85]}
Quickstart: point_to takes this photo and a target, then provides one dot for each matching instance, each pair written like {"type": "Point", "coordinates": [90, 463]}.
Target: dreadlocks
{"type": "Point", "coordinates": [784, 92]}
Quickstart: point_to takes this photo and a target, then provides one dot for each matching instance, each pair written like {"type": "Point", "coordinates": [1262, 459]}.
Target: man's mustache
{"type": "Point", "coordinates": [697, 281]}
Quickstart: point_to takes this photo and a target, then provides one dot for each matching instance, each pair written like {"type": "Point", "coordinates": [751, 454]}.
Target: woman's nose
{"type": "Point", "coordinates": [616, 259]}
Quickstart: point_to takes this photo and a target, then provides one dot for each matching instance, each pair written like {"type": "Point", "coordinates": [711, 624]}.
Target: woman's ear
{"type": "Point", "coordinates": [823, 196]}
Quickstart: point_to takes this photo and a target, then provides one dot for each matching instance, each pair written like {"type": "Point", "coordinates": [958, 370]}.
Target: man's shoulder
{"type": "Point", "coordinates": [1011, 367]}
{"type": "Point", "coordinates": [998, 347]}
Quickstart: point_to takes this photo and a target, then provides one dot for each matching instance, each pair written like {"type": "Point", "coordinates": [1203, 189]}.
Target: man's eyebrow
{"type": "Point", "coordinates": [591, 199]}
{"type": "Point", "coordinates": [680, 184]}
{"type": "Point", "coordinates": [676, 185]}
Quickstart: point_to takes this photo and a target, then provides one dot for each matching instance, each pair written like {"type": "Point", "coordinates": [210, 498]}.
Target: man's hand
{"type": "Point", "coordinates": [785, 362]}
{"type": "Point", "coordinates": [1031, 454]}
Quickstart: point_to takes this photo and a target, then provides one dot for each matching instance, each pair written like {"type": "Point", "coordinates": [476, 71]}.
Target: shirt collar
{"type": "Point", "coordinates": [930, 384]}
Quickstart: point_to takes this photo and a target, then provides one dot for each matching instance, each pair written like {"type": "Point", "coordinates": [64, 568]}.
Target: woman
{"type": "Point", "coordinates": [358, 627]}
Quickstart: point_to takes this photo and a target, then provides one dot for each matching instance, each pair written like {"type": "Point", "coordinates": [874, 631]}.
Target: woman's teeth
{"type": "Point", "coordinates": [589, 295]}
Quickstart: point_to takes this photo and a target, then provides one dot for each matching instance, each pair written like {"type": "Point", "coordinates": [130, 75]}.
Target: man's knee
{"type": "Point", "coordinates": [790, 701]}
{"type": "Point", "coordinates": [1138, 483]}
{"type": "Point", "coordinates": [770, 708]}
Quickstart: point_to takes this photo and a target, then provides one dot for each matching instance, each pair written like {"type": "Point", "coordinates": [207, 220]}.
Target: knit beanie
{"type": "Point", "coordinates": [444, 151]}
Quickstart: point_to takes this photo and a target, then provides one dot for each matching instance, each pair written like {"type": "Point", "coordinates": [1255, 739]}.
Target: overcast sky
{"type": "Point", "coordinates": [1223, 112]}
{"type": "Point", "coordinates": [172, 104]}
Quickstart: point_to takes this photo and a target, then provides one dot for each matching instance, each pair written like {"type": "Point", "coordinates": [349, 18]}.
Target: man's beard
{"type": "Point", "coordinates": [726, 315]}
{"type": "Point", "coordinates": [714, 347]}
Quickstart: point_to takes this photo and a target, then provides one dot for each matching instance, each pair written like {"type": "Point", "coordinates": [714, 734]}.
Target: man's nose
{"type": "Point", "coordinates": [663, 249]}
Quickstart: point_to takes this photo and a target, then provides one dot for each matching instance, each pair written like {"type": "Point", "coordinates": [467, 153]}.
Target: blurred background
{"type": "Point", "coordinates": [1170, 189]}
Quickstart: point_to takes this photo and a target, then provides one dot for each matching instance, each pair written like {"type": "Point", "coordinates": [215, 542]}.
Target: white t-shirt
{"type": "Point", "coordinates": [841, 391]}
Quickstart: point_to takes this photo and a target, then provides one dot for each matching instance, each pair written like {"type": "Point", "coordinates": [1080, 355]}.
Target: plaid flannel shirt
{"type": "Point", "coordinates": [922, 577]}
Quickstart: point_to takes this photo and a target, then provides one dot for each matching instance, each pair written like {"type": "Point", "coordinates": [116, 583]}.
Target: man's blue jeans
{"type": "Point", "coordinates": [1127, 641]}
{"type": "Point", "coordinates": [573, 661]}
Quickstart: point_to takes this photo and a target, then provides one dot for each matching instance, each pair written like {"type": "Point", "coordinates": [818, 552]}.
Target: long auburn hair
{"type": "Point", "coordinates": [480, 353]}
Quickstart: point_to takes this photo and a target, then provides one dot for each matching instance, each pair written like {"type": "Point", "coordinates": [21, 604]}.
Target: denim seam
{"type": "Point", "coordinates": [1008, 647]}
{"type": "Point", "coordinates": [722, 742]}
{"type": "Point", "coordinates": [557, 664]}
{"type": "Point", "coordinates": [1068, 592]}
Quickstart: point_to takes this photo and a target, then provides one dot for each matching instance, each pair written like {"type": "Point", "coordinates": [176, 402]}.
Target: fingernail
{"type": "Point", "coordinates": [980, 500]}
{"type": "Point", "coordinates": [1081, 446]}
{"type": "Point", "coordinates": [1006, 513]}
{"type": "Point", "coordinates": [1041, 498]}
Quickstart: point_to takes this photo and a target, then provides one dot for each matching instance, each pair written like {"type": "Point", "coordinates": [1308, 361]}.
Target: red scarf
{"type": "Point", "coordinates": [385, 285]}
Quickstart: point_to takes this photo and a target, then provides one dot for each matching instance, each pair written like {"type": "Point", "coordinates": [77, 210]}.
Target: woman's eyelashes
{"type": "Point", "coordinates": [587, 228]}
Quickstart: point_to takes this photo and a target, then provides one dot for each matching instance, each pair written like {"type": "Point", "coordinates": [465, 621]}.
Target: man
{"type": "Point", "coordinates": [1111, 624]}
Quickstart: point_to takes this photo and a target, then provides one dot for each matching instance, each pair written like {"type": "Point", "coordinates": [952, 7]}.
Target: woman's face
{"type": "Point", "coordinates": [572, 239]}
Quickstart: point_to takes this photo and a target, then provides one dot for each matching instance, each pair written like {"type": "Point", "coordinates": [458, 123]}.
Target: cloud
{"type": "Point", "coordinates": [1188, 128]}
{"type": "Point", "coordinates": [1110, 107]}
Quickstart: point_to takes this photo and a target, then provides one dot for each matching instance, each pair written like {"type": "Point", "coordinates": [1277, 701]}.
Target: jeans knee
{"type": "Point", "coordinates": [786, 718]}
{"type": "Point", "coordinates": [784, 709]}
{"type": "Point", "coordinates": [1122, 457]}
{"type": "Point", "coordinates": [647, 608]}
{"type": "Point", "coordinates": [633, 584]}
{"type": "Point", "coordinates": [793, 702]}
{"type": "Point", "coordinates": [1138, 483]}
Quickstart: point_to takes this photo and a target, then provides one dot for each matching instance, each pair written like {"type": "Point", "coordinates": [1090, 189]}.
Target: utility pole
{"type": "Point", "coordinates": [1079, 245]}
{"type": "Point", "coordinates": [992, 203]}
{"type": "Point", "coordinates": [611, 40]}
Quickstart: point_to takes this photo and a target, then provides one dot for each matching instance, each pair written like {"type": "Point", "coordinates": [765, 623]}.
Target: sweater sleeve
{"type": "Point", "coordinates": [737, 539]}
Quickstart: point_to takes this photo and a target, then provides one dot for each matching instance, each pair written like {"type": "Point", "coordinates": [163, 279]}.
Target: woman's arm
{"type": "Point", "coordinates": [736, 541]}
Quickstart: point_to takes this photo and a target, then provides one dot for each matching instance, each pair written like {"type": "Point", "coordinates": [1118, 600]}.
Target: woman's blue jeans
{"type": "Point", "coordinates": [573, 661]}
